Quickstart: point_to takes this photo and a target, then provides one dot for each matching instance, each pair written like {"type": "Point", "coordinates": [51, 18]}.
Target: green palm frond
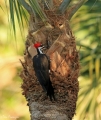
{"type": "Point", "coordinates": [97, 67]}
{"type": "Point", "coordinates": [1, 7]}
{"type": "Point", "coordinates": [39, 13]}
{"type": "Point", "coordinates": [11, 4]}
{"type": "Point", "coordinates": [17, 10]}
{"type": "Point", "coordinates": [87, 27]}
{"type": "Point", "coordinates": [26, 6]}
{"type": "Point", "coordinates": [62, 8]}
{"type": "Point", "coordinates": [76, 7]}
{"type": "Point", "coordinates": [20, 9]}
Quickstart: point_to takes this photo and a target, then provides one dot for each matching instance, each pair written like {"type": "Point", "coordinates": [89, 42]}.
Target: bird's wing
{"type": "Point", "coordinates": [43, 78]}
{"type": "Point", "coordinates": [41, 66]}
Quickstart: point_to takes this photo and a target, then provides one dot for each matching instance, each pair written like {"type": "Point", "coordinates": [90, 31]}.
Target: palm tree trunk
{"type": "Point", "coordinates": [64, 74]}
{"type": "Point", "coordinates": [64, 69]}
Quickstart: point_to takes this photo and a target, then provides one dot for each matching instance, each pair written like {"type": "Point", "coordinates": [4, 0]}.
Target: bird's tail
{"type": "Point", "coordinates": [50, 91]}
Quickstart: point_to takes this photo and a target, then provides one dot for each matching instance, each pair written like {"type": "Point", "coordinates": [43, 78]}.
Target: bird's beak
{"type": "Point", "coordinates": [43, 48]}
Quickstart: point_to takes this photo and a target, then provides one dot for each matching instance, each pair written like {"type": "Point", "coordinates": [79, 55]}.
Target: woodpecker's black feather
{"type": "Point", "coordinates": [41, 66]}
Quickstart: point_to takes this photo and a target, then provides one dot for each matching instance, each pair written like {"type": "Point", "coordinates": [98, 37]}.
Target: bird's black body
{"type": "Point", "coordinates": [41, 64]}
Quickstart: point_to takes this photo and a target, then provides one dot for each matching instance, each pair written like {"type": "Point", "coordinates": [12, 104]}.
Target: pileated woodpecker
{"type": "Point", "coordinates": [41, 64]}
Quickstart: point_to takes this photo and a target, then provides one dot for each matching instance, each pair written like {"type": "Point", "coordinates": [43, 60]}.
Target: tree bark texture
{"type": "Point", "coordinates": [64, 71]}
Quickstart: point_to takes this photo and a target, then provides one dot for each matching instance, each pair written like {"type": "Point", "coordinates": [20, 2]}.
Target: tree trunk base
{"type": "Point", "coordinates": [45, 111]}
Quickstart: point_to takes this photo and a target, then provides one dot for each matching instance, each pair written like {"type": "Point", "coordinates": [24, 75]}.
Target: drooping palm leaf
{"type": "Point", "coordinates": [17, 9]}
{"type": "Point", "coordinates": [76, 6]}
{"type": "Point", "coordinates": [87, 30]}
{"type": "Point", "coordinates": [11, 4]}
{"type": "Point", "coordinates": [25, 5]}
{"type": "Point", "coordinates": [62, 8]}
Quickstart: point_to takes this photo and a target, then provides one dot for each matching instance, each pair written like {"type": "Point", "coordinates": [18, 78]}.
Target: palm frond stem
{"type": "Point", "coordinates": [74, 9]}
{"type": "Point", "coordinates": [48, 4]}
{"type": "Point", "coordinates": [62, 8]}
{"type": "Point", "coordinates": [39, 13]}
{"type": "Point", "coordinates": [26, 6]}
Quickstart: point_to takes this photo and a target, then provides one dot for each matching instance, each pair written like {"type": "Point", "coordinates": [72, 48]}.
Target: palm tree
{"type": "Point", "coordinates": [49, 23]}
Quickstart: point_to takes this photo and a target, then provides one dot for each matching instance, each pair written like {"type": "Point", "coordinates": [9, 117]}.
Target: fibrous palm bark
{"type": "Point", "coordinates": [57, 35]}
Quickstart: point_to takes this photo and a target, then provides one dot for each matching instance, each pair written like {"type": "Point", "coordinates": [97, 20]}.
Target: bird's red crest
{"type": "Point", "coordinates": [38, 44]}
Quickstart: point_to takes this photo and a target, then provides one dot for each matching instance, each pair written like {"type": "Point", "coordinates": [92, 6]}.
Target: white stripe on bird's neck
{"type": "Point", "coordinates": [39, 50]}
